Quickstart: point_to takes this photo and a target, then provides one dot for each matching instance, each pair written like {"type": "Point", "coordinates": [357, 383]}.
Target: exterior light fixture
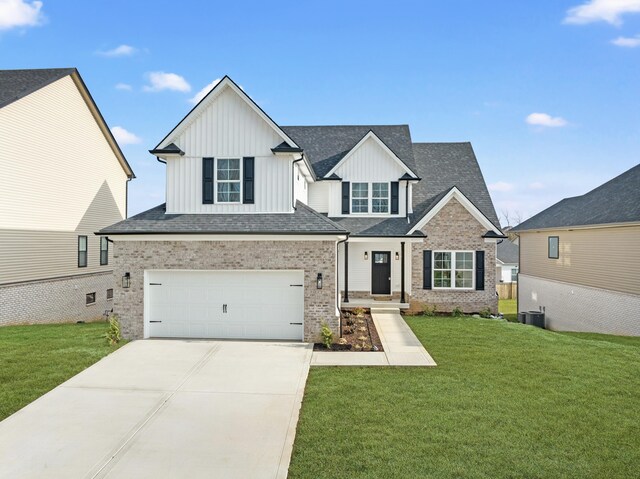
{"type": "Point", "coordinates": [397, 256]}
{"type": "Point", "coordinates": [319, 281]}
{"type": "Point", "coordinates": [366, 255]}
{"type": "Point", "coordinates": [126, 280]}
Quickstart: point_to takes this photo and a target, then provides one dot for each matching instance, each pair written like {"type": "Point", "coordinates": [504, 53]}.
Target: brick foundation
{"type": "Point", "coordinates": [58, 300]}
{"type": "Point", "coordinates": [311, 256]}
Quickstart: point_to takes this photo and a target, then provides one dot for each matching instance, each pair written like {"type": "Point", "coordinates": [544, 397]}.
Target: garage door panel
{"type": "Point", "coordinates": [259, 304]}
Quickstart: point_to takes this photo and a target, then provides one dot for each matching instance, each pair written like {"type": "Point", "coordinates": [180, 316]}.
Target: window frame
{"type": "Point", "coordinates": [104, 241]}
{"type": "Point", "coordinates": [109, 294]}
{"type": "Point", "coordinates": [453, 270]}
{"type": "Point", "coordinates": [360, 198]}
{"type": "Point", "coordinates": [85, 251]}
{"type": "Point", "coordinates": [557, 238]}
{"type": "Point", "coordinates": [514, 274]}
{"type": "Point", "coordinates": [87, 296]}
{"type": "Point", "coordinates": [388, 197]}
{"type": "Point", "coordinates": [216, 181]}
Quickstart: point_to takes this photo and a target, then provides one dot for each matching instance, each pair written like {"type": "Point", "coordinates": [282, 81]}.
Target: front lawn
{"type": "Point", "coordinates": [35, 359]}
{"type": "Point", "coordinates": [505, 401]}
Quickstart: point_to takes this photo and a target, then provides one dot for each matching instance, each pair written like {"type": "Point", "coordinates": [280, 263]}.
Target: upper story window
{"type": "Point", "coordinates": [104, 250]}
{"type": "Point", "coordinates": [228, 180]}
{"type": "Point", "coordinates": [360, 197]}
{"type": "Point", "coordinates": [554, 247]}
{"type": "Point", "coordinates": [369, 197]}
{"type": "Point", "coordinates": [82, 251]}
{"type": "Point", "coordinates": [453, 269]}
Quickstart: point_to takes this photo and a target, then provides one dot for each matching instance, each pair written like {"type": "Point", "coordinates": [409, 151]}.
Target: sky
{"type": "Point", "coordinates": [547, 91]}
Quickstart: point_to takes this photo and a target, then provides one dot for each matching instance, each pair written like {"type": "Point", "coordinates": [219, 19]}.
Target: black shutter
{"type": "Point", "coordinates": [345, 197]}
{"type": "Point", "coordinates": [247, 180]}
{"type": "Point", "coordinates": [395, 188]}
{"type": "Point", "coordinates": [426, 269]}
{"type": "Point", "coordinates": [480, 270]}
{"type": "Point", "coordinates": [207, 181]}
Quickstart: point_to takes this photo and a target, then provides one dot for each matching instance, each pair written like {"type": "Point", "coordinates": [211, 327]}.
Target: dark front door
{"type": "Point", "coordinates": [380, 272]}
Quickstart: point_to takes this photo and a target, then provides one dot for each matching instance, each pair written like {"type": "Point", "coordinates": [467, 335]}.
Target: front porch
{"type": "Point", "coordinates": [372, 303]}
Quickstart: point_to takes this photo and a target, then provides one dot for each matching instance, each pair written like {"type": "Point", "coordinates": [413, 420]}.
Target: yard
{"type": "Point", "coordinates": [35, 359]}
{"type": "Point", "coordinates": [506, 401]}
{"type": "Point", "coordinates": [508, 307]}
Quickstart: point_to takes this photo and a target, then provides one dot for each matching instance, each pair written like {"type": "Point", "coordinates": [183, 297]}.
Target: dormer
{"type": "Point", "coordinates": [228, 156]}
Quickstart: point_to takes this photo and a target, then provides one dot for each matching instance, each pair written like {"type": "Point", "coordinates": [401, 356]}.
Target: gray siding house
{"type": "Point", "coordinates": [63, 178]}
{"type": "Point", "coordinates": [268, 230]}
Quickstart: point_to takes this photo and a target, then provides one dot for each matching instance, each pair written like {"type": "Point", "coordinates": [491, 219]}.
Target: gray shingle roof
{"type": "Point", "coordinates": [374, 226]}
{"type": "Point", "coordinates": [325, 146]}
{"type": "Point", "coordinates": [507, 252]}
{"type": "Point", "coordinates": [154, 221]}
{"type": "Point", "coordinates": [616, 201]}
{"type": "Point", "coordinates": [443, 166]}
{"type": "Point", "coordinates": [16, 84]}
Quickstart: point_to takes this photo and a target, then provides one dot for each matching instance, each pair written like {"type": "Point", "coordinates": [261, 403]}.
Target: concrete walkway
{"type": "Point", "coordinates": [401, 347]}
{"type": "Point", "coordinates": [165, 409]}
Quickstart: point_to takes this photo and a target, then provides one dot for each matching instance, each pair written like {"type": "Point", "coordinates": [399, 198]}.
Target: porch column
{"type": "Point", "coordinates": [402, 272]}
{"type": "Point", "coordinates": [346, 272]}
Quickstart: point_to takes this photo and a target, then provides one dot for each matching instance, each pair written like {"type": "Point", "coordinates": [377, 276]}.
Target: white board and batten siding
{"type": "Point", "coordinates": [229, 128]}
{"type": "Point", "coordinates": [369, 163]}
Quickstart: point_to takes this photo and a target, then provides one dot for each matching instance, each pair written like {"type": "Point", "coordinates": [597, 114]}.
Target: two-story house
{"type": "Point", "coordinates": [63, 177]}
{"type": "Point", "coordinates": [267, 230]}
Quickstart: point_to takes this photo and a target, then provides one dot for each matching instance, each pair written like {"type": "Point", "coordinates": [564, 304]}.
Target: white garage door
{"type": "Point", "coordinates": [224, 304]}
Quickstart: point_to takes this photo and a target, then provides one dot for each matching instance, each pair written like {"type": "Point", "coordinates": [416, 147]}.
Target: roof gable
{"type": "Point", "coordinates": [370, 138]}
{"type": "Point", "coordinates": [196, 111]}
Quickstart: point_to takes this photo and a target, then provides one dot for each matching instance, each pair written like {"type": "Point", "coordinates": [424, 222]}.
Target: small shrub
{"type": "Point", "coordinates": [327, 336]}
{"type": "Point", "coordinates": [359, 312]}
{"type": "Point", "coordinates": [457, 312]}
{"type": "Point", "coordinates": [429, 310]}
{"type": "Point", "coordinates": [113, 334]}
{"type": "Point", "coordinates": [342, 341]}
{"type": "Point", "coordinates": [347, 330]}
{"type": "Point", "coordinates": [485, 313]}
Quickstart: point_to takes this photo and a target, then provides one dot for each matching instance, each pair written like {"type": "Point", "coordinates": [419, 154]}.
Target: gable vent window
{"type": "Point", "coordinates": [104, 250]}
{"type": "Point", "coordinates": [82, 251]}
{"type": "Point", "coordinates": [228, 180]}
{"type": "Point", "coordinates": [359, 197]}
{"type": "Point", "coordinates": [380, 197]}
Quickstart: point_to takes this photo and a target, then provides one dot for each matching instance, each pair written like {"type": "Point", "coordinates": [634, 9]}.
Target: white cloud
{"type": "Point", "coordinates": [166, 81]}
{"type": "Point", "coordinates": [629, 42]}
{"type": "Point", "coordinates": [536, 185]}
{"type": "Point", "coordinates": [124, 137]}
{"type": "Point", "coordinates": [202, 93]}
{"type": "Point", "coordinates": [610, 11]}
{"type": "Point", "coordinates": [501, 186]}
{"type": "Point", "coordinates": [544, 119]}
{"type": "Point", "coordinates": [20, 13]}
{"type": "Point", "coordinates": [119, 51]}
{"type": "Point", "coordinates": [123, 86]}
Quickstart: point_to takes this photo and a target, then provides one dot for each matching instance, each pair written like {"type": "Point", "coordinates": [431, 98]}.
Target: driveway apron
{"type": "Point", "coordinates": [165, 409]}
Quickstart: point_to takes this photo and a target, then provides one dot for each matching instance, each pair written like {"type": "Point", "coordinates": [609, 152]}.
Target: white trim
{"type": "Point", "coordinates": [385, 239]}
{"type": "Point", "coordinates": [371, 134]}
{"type": "Point", "coordinates": [464, 201]}
{"type": "Point", "coordinates": [223, 237]}
{"type": "Point", "coordinates": [204, 103]}
{"type": "Point", "coordinates": [453, 271]}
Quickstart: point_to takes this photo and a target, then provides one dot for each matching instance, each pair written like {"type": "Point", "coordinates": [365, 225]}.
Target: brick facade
{"type": "Point", "coordinates": [60, 300]}
{"type": "Point", "coordinates": [311, 256]}
{"type": "Point", "coordinates": [454, 228]}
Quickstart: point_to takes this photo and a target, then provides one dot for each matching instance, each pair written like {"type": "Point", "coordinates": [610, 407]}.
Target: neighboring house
{"type": "Point", "coordinates": [63, 177]}
{"type": "Point", "coordinates": [267, 230]}
{"type": "Point", "coordinates": [580, 260]}
{"type": "Point", "coordinates": [507, 261]}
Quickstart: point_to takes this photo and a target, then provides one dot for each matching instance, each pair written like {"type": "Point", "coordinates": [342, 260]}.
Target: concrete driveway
{"type": "Point", "coordinates": [156, 409]}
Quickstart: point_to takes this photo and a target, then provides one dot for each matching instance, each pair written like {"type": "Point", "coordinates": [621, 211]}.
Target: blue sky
{"type": "Point", "coordinates": [548, 91]}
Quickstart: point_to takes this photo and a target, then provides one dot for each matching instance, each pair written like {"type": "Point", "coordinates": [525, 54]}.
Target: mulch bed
{"type": "Point", "coordinates": [358, 334]}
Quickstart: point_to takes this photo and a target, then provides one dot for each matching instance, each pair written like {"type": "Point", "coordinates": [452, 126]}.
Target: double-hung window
{"type": "Point", "coordinates": [380, 197]}
{"type": "Point", "coordinates": [104, 250]}
{"type": "Point", "coordinates": [82, 251]}
{"type": "Point", "coordinates": [228, 180]}
{"type": "Point", "coordinates": [453, 269]}
{"type": "Point", "coordinates": [360, 197]}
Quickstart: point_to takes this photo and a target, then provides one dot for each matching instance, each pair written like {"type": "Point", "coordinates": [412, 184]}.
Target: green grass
{"type": "Point", "coordinates": [508, 308]}
{"type": "Point", "coordinates": [505, 401]}
{"type": "Point", "coordinates": [35, 359]}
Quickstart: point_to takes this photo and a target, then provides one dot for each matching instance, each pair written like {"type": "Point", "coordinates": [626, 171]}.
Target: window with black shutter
{"type": "Point", "coordinates": [207, 181]}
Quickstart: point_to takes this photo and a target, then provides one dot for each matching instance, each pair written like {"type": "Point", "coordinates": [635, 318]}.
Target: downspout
{"type": "Point", "coordinates": [293, 180]}
{"type": "Point", "coordinates": [406, 200]}
{"type": "Point", "coordinates": [338, 282]}
{"type": "Point", "coordinates": [402, 298]}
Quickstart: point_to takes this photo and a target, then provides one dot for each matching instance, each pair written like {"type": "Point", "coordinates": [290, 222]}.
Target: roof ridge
{"type": "Point", "coordinates": [363, 125]}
